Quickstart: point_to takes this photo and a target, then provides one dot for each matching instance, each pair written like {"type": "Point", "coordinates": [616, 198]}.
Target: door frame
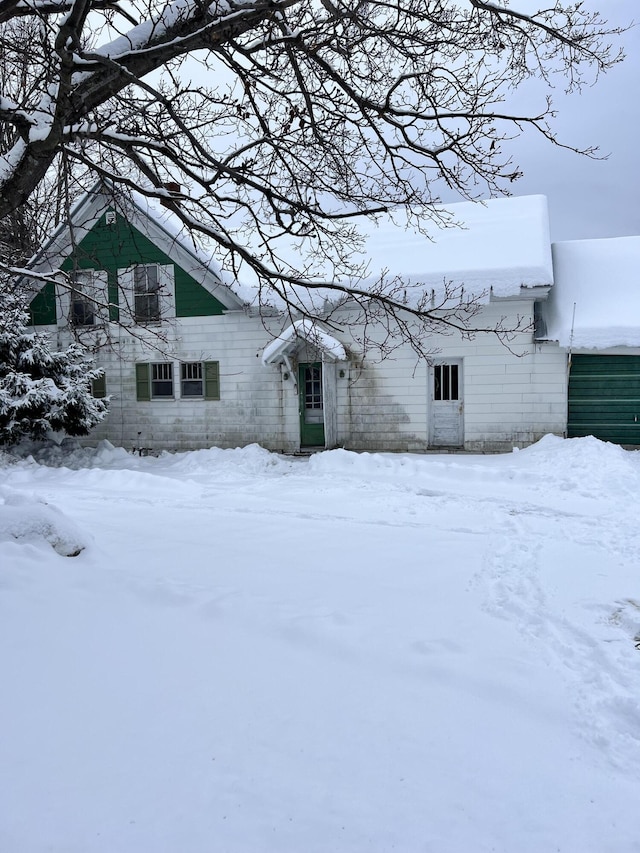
{"type": "Point", "coordinates": [431, 408]}
{"type": "Point", "coordinates": [315, 433]}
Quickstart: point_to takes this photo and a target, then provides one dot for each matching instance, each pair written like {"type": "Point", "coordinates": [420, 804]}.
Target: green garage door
{"type": "Point", "coordinates": [604, 397]}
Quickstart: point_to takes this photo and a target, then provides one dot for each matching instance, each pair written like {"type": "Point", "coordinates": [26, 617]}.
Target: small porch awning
{"type": "Point", "coordinates": [307, 331]}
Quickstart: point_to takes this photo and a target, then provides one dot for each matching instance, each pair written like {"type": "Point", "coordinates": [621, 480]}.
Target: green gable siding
{"type": "Point", "coordinates": [43, 307]}
{"type": "Point", "coordinates": [114, 247]}
{"type": "Point", "coordinates": [192, 300]}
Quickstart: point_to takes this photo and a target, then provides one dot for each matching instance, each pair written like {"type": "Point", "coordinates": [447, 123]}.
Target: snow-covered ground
{"type": "Point", "coordinates": [350, 652]}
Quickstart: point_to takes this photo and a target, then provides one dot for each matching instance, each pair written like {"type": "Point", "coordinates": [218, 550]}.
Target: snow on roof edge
{"type": "Point", "coordinates": [499, 246]}
{"type": "Point", "coordinates": [307, 330]}
{"type": "Point", "coordinates": [600, 278]}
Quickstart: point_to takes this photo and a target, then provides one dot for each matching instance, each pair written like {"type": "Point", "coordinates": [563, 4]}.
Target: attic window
{"type": "Point", "coordinates": [82, 311]}
{"type": "Point", "coordinates": [146, 293]}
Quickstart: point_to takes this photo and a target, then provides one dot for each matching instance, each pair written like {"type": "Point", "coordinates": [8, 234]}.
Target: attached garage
{"type": "Point", "coordinates": [604, 397]}
{"type": "Point", "coordinates": [593, 312]}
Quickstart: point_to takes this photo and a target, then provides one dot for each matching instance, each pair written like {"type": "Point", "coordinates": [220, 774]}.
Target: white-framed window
{"type": "Point", "coordinates": [191, 379]}
{"type": "Point", "coordinates": [146, 293]}
{"type": "Point", "coordinates": [199, 380]}
{"type": "Point", "coordinates": [161, 380]}
{"type": "Point", "coordinates": [154, 381]}
{"type": "Point", "coordinates": [82, 301]}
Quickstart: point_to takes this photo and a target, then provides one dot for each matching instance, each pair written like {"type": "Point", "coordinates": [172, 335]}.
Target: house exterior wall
{"type": "Point", "coordinates": [251, 407]}
{"type": "Point", "coordinates": [510, 396]}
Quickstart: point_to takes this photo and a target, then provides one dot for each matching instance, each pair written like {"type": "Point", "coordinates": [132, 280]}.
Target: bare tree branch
{"type": "Point", "coordinates": [301, 117]}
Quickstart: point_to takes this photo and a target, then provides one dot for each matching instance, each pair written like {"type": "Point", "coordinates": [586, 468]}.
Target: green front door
{"type": "Point", "coordinates": [311, 405]}
{"type": "Point", "coordinates": [604, 397]}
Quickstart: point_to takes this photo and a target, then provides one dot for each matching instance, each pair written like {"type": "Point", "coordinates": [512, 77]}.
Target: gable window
{"type": "Point", "coordinates": [146, 293]}
{"type": "Point", "coordinates": [82, 301]}
{"type": "Point", "coordinates": [82, 308]}
{"type": "Point", "coordinates": [200, 379]}
{"type": "Point", "coordinates": [445, 382]}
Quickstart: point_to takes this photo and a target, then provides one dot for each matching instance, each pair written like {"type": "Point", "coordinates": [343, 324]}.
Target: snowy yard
{"type": "Point", "coordinates": [344, 653]}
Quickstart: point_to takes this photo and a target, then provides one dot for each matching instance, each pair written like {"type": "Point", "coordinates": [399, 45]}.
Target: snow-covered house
{"type": "Point", "coordinates": [188, 364]}
{"type": "Point", "coordinates": [594, 315]}
{"type": "Point", "coordinates": [179, 349]}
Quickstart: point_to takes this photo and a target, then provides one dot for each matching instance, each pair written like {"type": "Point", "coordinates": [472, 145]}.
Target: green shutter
{"type": "Point", "coordinates": [142, 382]}
{"type": "Point", "coordinates": [99, 387]}
{"type": "Point", "coordinates": [43, 306]}
{"type": "Point", "coordinates": [212, 380]}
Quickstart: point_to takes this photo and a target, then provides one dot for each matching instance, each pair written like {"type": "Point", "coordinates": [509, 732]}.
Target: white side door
{"type": "Point", "coordinates": [446, 404]}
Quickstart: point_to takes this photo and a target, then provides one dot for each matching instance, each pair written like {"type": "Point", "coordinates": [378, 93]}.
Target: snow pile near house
{"type": "Point", "coordinates": [26, 461]}
{"type": "Point", "coordinates": [227, 463]}
{"type": "Point", "coordinates": [599, 277]}
{"type": "Point", "coordinates": [549, 470]}
{"type": "Point", "coordinates": [70, 454]}
{"type": "Point", "coordinates": [352, 652]}
{"type": "Point", "coordinates": [26, 519]}
{"type": "Point", "coordinates": [581, 467]}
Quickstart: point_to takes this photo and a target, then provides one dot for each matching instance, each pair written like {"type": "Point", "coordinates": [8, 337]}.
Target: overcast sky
{"type": "Point", "coordinates": [590, 198]}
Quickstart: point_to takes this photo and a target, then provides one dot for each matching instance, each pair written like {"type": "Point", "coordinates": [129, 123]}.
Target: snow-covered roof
{"type": "Point", "coordinates": [491, 249]}
{"type": "Point", "coordinates": [602, 279]}
{"type": "Point", "coordinates": [303, 330]}
{"type": "Point", "coordinates": [501, 245]}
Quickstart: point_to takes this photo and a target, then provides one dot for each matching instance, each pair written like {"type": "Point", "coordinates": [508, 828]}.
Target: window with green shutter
{"type": "Point", "coordinates": [212, 380]}
{"type": "Point", "coordinates": [198, 380]}
{"type": "Point", "coordinates": [154, 381]}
